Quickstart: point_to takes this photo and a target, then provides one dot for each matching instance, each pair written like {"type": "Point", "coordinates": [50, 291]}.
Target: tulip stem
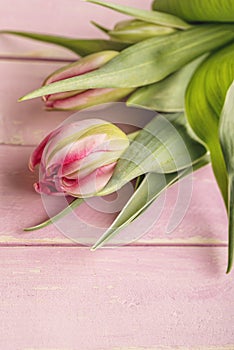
{"type": "Point", "coordinates": [58, 216]}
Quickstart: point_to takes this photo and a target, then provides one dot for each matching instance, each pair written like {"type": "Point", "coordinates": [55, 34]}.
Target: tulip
{"type": "Point", "coordinates": [79, 99]}
{"type": "Point", "coordinates": [133, 31]}
{"type": "Point", "coordinates": [78, 159]}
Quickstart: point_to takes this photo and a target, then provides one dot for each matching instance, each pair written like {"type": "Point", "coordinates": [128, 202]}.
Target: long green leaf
{"type": "Point", "coordinates": [144, 15]}
{"type": "Point", "coordinates": [198, 10]}
{"type": "Point", "coordinates": [81, 47]}
{"type": "Point", "coordinates": [55, 218]}
{"type": "Point", "coordinates": [204, 101]}
{"type": "Point", "coordinates": [226, 134]}
{"type": "Point", "coordinates": [149, 190]}
{"type": "Point", "coordinates": [163, 146]}
{"type": "Point", "coordinates": [168, 94]}
{"type": "Point", "coordinates": [148, 61]}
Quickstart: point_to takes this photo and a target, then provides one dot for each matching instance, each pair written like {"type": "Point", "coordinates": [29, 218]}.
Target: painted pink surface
{"type": "Point", "coordinates": [17, 193]}
{"type": "Point", "coordinates": [25, 123]}
{"type": "Point", "coordinates": [140, 297]}
{"type": "Point", "coordinates": [58, 17]}
{"type": "Point", "coordinates": [70, 298]}
{"type": "Point", "coordinates": [70, 18]}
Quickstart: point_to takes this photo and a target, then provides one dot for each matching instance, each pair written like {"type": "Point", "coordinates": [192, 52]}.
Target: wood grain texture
{"type": "Point", "coordinates": [161, 293]}
{"type": "Point", "coordinates": [70, 298]}
{"type": "Point", "coordinates": [67, 18]}
{"type": "Point", "coordinates": [14, 47]}
{"type": "Point", "coordinates": [25, 123]}
{"type": "Point", "coordinates": [20, 207]}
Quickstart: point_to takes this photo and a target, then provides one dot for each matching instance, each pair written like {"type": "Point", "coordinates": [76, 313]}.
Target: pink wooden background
{"type": "Point", "coordinates": [162, 292]}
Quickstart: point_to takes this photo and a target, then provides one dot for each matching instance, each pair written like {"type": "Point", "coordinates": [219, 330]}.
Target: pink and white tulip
{"type": "Point", "coordinates": [79, 99]}
{"type": "Point", "coordinates": [78, 159]}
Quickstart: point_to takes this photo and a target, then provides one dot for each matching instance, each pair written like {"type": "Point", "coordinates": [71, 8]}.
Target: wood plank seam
{"type": "Point", "coordinates": [18, 199]}
{"type": "Point", "coordinates": [37, 59]}
{"type": "Point", "coordinates": [130, 245]}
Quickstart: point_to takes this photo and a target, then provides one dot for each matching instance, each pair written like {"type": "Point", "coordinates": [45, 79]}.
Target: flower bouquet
{"type": "Point", "coordinates": [177, 60]}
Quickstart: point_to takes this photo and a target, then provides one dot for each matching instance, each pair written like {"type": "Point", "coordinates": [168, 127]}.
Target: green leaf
{"type": "Point", "coordinates": [148, 191]}
{"type": "Point", "coordinates": [55, 218]}
{"type": "Point", "coordinates": [168, 94]}
{"type": "Point", "coordinates": [204, 101]}
{"type": "Point", "coordinates": [144, 15]}
{"type": "Point", "coordinates": [133, 31]}
{"type": "Point", "coordinates": [100, 27]}
{"type": "Point", "coordinates": [147, 62]}
{"type": "Point", "coordinates": [163, 146]}
{"type": "Point", "coordinates": [198, 10]}
{"type": "Point", "coordinates": [75, 203]}
{"type": "Point", "coordinates": [81, 47]}
{"type": "Point", "coordinates": [226, 134]}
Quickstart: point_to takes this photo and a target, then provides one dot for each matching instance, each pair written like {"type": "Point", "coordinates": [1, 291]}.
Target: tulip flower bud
{"type": "Point", "coordinates": [79, 99]}
{"type": "Point", "coordinates": [78, 159]}
{"type": "Point", "coordinates": [133, 31]}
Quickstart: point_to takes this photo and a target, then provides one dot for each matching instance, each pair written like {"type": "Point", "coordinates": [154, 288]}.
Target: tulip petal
{"type": "Point", "coordinates": [90, 184]}
{"type": "Point", "coordinates": [61, 133]}
{"type": "Point", "coordinates": [87, 98]}
{"type": "Point", "coordinates": [90, 153]}
{"type": "Point", "coordinates": [46, 188]}
{"type": "Point", "coordinates": [82, 66]}
{"type": "Point", "coordinates": [91, 162]}
{"type": "Point", "coordinates": [67, 134]}
{"type": "Point", "coordinates": [60, 95]}
{"type": "Point", "coordinates": [69, 155]}
{"type": "Point", "coordinates": [76, 100]}
{"type": "Point", "coordinates": [78, 155]}
{"type": "Point", "coordinates": [37, 153]}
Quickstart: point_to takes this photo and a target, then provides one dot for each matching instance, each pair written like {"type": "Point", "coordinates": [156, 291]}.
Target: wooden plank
{"type": "Point", "coordinates": [204, 223]}
{"type": "Point", "coordinates": [66, 297]}
{"type": "Point", "coordinates": [25, 123]}
{"type": "Point", "coordinates": [68, 18]}
{"type": "Point", "coordinates": [128, 298]}
{"type": "Point", "coordinates": [21, 48]}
